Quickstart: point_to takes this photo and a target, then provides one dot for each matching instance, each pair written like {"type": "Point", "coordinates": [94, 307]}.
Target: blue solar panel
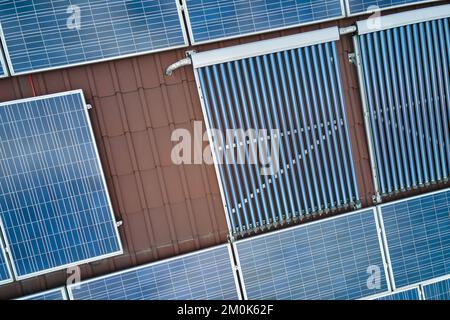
{"type": "Point", "coordinates": [336, 258]}
{"type": "Point", "coordinates": [51, 295]}
{"type": "Point", "coordinates": [211, 20]}
{"type": "Point", "coordinates": [417, 232]}
{"type": "Point", "coordinates": [54, 205]}
{"type": "Point", "coordinates": [5, 274]}
{"type": "Point", "coordinates": [411, 294]}
{"type": "Point", "coordinates": [46, 34]}
{"type": "Point", "coordinates": [202, 275]}
{"type": "Point", "coordinates": [437, 291]}
{"type": "Point", "coordinates": [355, 7]}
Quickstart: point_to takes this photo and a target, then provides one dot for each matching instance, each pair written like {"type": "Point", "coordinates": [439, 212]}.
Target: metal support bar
{"type": "Point", "coordinates": [362, 89]}
{"type": "Point", "coordinates": [347, 30]}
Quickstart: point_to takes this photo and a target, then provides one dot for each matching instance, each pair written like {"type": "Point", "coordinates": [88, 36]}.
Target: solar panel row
{"type": "Point", "coordinates": [47, 34]}
{"type": "Point", "coordinates": [202, 275]}
{"type": "Point", "coordinates": [55, 210]}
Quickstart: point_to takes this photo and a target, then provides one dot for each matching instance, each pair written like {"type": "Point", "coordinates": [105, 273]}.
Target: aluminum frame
{"type": "Point", "coordinates": [2, 227]}
{"type": "Point", "coordinates": [405, 18]}
{"type": "Point", "coordinates": [349, 14]}
{"type": "Point", "coordinates": [193, 42]}
{"type": "Point", "coordinates": [241, 277]}
{"type": "Point", "coordinates": [61, 289]}
{"type": "Point", "coordinates": [73, 286]}
{"type": "Point", "coordinates": [13, 73]}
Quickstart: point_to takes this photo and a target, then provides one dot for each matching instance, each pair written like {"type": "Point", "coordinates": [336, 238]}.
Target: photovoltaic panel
{"type": "Point", "coordinates": [417, 232]}
{"type": "Point", "coordinates": [46, 34]}
{"type": "Point", "coordinates": [5, 272]}
{"type": "Point", "coordinates": [55, 209]}
{"type": "Point", "coordinates": [201, 275]}
{"type": "Point", "coordinates": [355, 7]}
{"type": "Point", "coordinates": [328, 259]}
{"type": "Point", "coordinates": [219, 19]}
{"type": "Point", "coordinates": [51, 295]}
{"type": "Point", "coordinates": [411, 294]}
{"type": "Point", "coordinates": [437, 291]}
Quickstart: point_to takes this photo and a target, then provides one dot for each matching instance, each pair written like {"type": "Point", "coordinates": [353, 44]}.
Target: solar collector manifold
{"type": "Point", "coordinates": [405, 73]}
{"type": "Point", "coordinates": [291, 88]}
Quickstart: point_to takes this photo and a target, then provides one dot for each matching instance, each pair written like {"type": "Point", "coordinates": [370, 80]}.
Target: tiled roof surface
{"type": "Point", "coordinates": [166, 209]}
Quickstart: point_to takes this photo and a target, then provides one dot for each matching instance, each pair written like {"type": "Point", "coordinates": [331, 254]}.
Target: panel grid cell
{"type": "Point", "coordinates": [202, 275]}
{"type": "Point", "coordinates": [356, 7]}
{"type": "Point", "coordinates": [332, 259]}
{"type": "Point", "coordinates": [44, 34]}
{"type": "Point", "coordinates": [54, 206]}
{"type": "Point", "coordinates": [219, 19]}
{"type": "Point", "coordinates": [417, 232]}
{"type": "Point", "coordinates": [437, 291]}
{"type": "Point", "coordinates": [51, 295]}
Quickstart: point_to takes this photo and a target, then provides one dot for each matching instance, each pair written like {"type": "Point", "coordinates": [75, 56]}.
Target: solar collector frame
{"type": "Point", "coordinates": [3, 67]}
{"type": "Point", "coordinates": [4, 265]}
{"type": "Point", "coordinates": [96, 60]}
{"type": "Point", "coordinates": [112, 221]}
{"type": "Point", "coordinates": [263, 30]}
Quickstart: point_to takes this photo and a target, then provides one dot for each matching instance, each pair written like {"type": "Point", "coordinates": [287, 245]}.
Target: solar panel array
{"type": "Point", "coordinates": [202, 275]}
{"type": "Point", "coordinates": [54, 205]}
{"type": "Point", "coordinates": [355, 7]}
{"type": "Point", "coordinates": [406, 72]}
{"type": "Point", "coordinates": [218, 19]}
{"type": "Point", "coordinates": [417, 232]}
{"type": "Point", "coordinates": [46, 34]}
{"type": "Point", "coordinates": [51, 295]}
{"type": "Point", "coordinates": [5, 274]}
{"type": "Point", "coordinates": [299, 93]}
{"type": "Point", "coordinates": [437, 290]}
{"type": "Point", "coordinates": [411, 294]}
{"type": "Point", "coordinates": [329, 259]}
